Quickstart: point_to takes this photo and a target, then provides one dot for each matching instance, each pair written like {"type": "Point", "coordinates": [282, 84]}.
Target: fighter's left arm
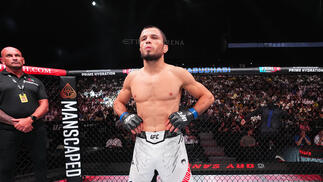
{"type": "Point", "coordinates": [180, 119]}
{"type": "Point", "coordinates": [204, 97]}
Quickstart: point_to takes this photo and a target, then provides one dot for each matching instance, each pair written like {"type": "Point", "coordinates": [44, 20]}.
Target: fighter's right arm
{"type": "Point", "coordinates": [119, 105]}
{"type": "Point", "coordinates": [5, 118]}
{"type": "Point", "coordinates": [131, 122]}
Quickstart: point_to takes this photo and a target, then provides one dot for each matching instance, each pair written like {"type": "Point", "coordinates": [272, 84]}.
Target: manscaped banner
{"type": "Point", "coordinates": [70, 120]}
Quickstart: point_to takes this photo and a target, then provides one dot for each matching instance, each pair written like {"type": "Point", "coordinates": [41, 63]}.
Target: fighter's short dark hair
{"type": "Point", "coordinates": [162, 33]}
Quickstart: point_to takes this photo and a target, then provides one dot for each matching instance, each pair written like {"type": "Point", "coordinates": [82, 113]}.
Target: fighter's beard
{"type": "Point", "coordinates": [151, 57]}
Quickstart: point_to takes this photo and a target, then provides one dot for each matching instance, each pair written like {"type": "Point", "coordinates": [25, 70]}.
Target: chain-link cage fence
{"type": "Point", "coordinates": [260, 128]}
{"type": "Point", "coordinates": [55, 150]}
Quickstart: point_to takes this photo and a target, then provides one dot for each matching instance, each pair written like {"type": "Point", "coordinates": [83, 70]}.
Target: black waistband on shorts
{"type": "Point", "coordinates": [168, 134]}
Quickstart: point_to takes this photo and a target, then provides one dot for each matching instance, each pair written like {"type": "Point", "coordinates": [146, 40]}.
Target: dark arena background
{"type": "Point", "coordinates": [86, 145]}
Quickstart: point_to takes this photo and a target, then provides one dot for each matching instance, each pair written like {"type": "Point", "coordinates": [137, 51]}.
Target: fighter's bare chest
{"type": "Point", "coordinates": [155, 88]}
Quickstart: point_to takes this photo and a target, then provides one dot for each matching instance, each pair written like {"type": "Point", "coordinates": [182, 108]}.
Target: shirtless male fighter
{"type": "Point", "coordinates": [156, 89]}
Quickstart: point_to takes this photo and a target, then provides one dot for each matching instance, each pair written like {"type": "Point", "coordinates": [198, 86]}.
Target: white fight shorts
{"type": "Point", "coordinates": [162, 151]}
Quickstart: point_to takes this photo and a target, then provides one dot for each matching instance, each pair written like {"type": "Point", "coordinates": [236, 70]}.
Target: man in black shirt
{"type": "Point", "coordinates": [269, 128]}
{"type": "Point", "coordinates": [23, 101]}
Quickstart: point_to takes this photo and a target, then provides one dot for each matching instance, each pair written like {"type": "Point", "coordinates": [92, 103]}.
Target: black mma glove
{"type": "Point", "coordinates": [130, 121]}
{"type": "Point", "coordinates": [182, 118]}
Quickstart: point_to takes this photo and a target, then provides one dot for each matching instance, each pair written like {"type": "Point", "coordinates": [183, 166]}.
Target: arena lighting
{"type": "Point", "coordinates": [93, 3]}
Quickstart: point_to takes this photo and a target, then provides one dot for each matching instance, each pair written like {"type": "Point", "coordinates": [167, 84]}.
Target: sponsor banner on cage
{"type": "Point", "coordinates": [314, 151]}
{"type": "Point", "coordinates": [227, 166]}
{"type": "Point", "coordinates": [305, 69]}
{"type": "Point", "coordinates": [98, 73]}
{"type": "Point", "coordinates": [127, 71]}
{"type": "Point", "coordinates": [70, 129]}
{"type": "Point", "coordinates": [209, 70]}
{"type": "Point", "coordinates": [269, 69]}
{"type": "Point", "coordinates": [40, 70]}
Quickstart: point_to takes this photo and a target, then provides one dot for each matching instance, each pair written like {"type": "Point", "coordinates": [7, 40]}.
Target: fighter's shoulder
{"type": "Point", "coordinates": [131, 77]}
{"type": "Point", "coordinates": [178, 71]}
{"type": "Point", "coordinates": [133, 73]}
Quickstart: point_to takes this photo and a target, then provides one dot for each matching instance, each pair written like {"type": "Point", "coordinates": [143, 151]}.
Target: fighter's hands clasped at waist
{"type": "Point", "coordinates": [177, 120]}
{"type": "Point", "coordinates": [180, 119]}
{"type": "Point", "coordinates": [130, 121]}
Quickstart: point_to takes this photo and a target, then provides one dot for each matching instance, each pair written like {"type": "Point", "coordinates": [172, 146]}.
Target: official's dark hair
{"type": "Point", "coordinates": [162, 33]}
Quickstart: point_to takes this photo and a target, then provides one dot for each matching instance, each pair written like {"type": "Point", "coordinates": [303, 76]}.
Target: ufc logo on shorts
{"type": "Point", "coordinates": [154, 136]}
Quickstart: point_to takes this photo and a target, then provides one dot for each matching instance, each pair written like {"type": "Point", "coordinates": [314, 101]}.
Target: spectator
{"type": "Point", "coordinates": [189, 138]}
{"type": "Point", "coordinates": [193, 147]}
{"type": "Point", "coordinates": [248, 140]}
{"type": "Point", "coordinates": [302, 139]}
{"type": "Point", "coordinates": [113, 142]}
{"type": "Point", "coordinates": [269, 128]}
{"type": "Point", "coordinates": [304, 126]}
{"type": "Point", "coordinates": [248, 146]}
{"type": "Point", "coordinates": [318, 140]}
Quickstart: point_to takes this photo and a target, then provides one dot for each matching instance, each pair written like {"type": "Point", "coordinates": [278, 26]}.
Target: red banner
{"type": "Point", "coordinates": [228, 166]}
{"type": "Point", "coordinates": [40, 70]}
